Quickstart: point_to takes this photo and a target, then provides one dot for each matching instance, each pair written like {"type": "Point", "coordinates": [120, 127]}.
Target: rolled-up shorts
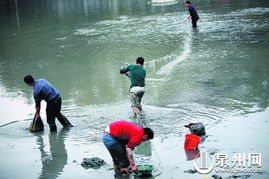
{"type": "Point", "coordinates": [116, 150]}
{"type": "Point", "coordinates": [136, 93]}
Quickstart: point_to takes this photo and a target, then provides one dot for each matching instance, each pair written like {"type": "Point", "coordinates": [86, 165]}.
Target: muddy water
{"type": "Point", "coordinates": [217, 71]}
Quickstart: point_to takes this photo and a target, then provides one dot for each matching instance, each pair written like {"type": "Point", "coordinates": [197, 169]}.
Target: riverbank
{"type": "Point", "coordinates": [58, 155]}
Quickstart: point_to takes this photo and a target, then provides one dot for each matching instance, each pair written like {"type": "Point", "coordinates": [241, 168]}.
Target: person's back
{"type": "Point", "coordinates": [127, 132]}
{"type": "Point", "coordinates": [193, 12]}
{"type": "Point", "coordinates": [44, 90]}
{"type": "Point", "coordinates": [137, 75]}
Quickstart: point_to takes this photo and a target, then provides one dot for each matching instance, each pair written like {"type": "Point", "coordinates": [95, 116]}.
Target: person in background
{"type": "Point", "coordinates": [120, 138]}
{"type": "Point", "coordinates": [43, 90]}
{"type": "Point", "coordinates": [193, 13]}
{"type": "Point", "coordinates": [137, 74]}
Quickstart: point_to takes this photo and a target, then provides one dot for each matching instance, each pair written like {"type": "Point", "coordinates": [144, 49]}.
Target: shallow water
{"type": "Point", "coordinates": [216, 71]}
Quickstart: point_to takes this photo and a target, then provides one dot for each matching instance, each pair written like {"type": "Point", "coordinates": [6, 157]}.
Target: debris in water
{"type": "Point", "coordinates": [216, 176]}
{"type": "Point", "coordinates": [191, 171]}
{"type": "Point", "coordinates": [94, 162]}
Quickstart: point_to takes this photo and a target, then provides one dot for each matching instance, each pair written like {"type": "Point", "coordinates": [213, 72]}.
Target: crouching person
{"type": "Point", "coordinates": [120, 138]}
{"type": "Point", "coordinates": [43, 90]}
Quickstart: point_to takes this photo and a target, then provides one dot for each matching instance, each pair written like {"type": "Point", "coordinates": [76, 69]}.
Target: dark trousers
{"type": "Point", "coordinates": [53, 110]}
{"type": "Point", "coordinates": [194, 22]}
{"type": "Point", "coordinates": [117, 150]}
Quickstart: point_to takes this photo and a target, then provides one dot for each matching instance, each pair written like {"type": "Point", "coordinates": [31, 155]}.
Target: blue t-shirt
{"type": "Point", "coordinates": [193, 12]}
{"type": "Point", "coordinates": [43, 90]}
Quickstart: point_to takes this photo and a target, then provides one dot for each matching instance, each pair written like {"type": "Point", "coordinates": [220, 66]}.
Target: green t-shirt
{"type": "Point", "coordinates": [137, 74]}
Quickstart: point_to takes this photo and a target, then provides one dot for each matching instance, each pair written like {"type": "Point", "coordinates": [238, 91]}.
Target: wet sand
{"type": "Point", "coordinates": [58, 155]}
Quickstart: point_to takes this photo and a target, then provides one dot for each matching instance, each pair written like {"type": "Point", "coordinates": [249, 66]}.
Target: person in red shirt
{"type": "Point", "coordinates": [120, 138]}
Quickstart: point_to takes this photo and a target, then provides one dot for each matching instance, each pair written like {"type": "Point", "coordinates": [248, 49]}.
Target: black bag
{"type": "Point", "coordinates": [196, 128]}
{"type": "Point", "coordinates": [94, 162]}
{"type": "Point", "coordinates": [36, 125]}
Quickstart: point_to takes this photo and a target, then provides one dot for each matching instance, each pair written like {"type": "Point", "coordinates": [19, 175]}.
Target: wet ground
{"type": "Point", "coordinates": [216, 74]}
{"type": "Point", "coordinates": [59, 155]}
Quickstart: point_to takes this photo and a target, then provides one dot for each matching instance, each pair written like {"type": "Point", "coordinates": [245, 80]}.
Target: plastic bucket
{"type": "Point", "coordinates": [191, 141]}
{"type": "Point", "coordinates": [191, 154]}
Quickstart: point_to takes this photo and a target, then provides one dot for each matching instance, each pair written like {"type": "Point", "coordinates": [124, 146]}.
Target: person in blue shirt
{"type": "Point", "coordinates": [193, 13]}
{"type": "Point", "coordinates": [43, 90]}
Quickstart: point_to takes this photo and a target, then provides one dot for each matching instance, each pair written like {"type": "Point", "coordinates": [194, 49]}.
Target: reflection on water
{"type": "Point", "coordinates": [192, 75]}
{"type": "Point", "coordinates": [144, 149]}
{"type": "Point", "coordinates": [54, 160]}
{"type": "Point", "coordinates": [192, 154]}
{"type": "Point", "coordinates": [211, 66]}
{"type": "Point", "coordinates": [163, 2]}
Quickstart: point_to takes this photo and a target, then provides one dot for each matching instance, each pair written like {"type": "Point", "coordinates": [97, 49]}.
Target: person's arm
{"type": "Point", "coordinates": [131, 159]}
{"type": "Point", "coordinates": [37, 105]}
{"type": "Point", "coordinates": [37, 108]}
{"type": "Point", "coordinates": [124, 70]}
{"type": "Point", "coordinates": [190, 16]}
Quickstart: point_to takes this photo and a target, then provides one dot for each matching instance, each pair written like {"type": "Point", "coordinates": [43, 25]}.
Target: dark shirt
{"type": "Point", "coordinates": [137, 74]}
{"type": "Point", "coordinates": [43, 90]}
{"type": "Point", "coordinates": [193, 12]}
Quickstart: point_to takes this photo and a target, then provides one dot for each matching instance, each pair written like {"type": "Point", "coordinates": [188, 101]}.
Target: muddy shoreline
{"type": "Point", "coordinates": [58, 155]}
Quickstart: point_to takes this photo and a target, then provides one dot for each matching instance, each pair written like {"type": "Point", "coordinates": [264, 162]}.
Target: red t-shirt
{"type": "Point", "coordinates": [127, 131]}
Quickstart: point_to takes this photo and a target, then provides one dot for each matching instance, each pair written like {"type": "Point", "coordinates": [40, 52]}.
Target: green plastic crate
{"type": "Point", "coordinates": [144, 170]}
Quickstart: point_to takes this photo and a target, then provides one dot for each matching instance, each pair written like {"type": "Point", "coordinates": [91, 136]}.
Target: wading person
{"type": "Point", "coordinates": [43, 90]}
{"type": "Point", "coordinates": [120, 138]}
{"type": "Point", "coordinates": [137, 75]}
{"type": "Point", "coordinates": [193, 13]}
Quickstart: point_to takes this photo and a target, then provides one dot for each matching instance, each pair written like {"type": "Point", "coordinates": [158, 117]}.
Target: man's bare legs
{"type": "Point", "coordinates": [136, 111]}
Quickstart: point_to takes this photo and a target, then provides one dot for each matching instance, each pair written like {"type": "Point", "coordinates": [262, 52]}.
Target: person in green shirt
{"type": "Point", "coordinates": [137, 74]}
